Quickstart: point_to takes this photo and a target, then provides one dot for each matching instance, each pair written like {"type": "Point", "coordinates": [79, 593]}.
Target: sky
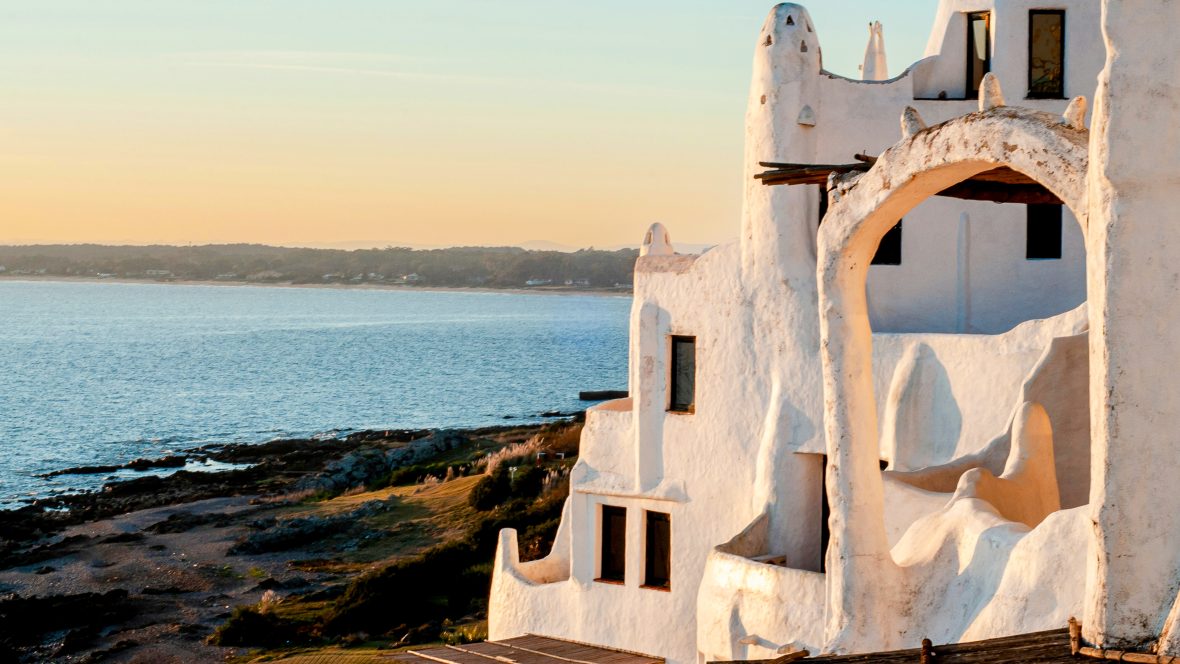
{"type": "Point", "coordinates": [370, 123]}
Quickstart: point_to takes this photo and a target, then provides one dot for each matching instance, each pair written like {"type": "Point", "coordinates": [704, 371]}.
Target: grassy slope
{"type": "Point", "coordinates": [432, 527]}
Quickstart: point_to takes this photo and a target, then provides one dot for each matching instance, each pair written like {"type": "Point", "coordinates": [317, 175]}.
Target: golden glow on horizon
{"type": "Point", "coordinates": [578, 124]}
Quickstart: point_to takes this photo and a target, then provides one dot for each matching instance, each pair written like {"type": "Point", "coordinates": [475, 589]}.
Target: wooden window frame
{"type": "Point", "coordinates": [1045, 12]}
{"type": "Point", "coordinates": [647, 551]}
{"type": "Point", "coordinates": [969, 80]}
{"type": "Point", "coordinates": [603, 510]}
{"type": "Point", "coordinates": [674, 407]}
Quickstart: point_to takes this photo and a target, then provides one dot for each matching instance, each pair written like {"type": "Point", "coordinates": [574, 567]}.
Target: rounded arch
{"type": "Point", "coordinates": [864, 582]}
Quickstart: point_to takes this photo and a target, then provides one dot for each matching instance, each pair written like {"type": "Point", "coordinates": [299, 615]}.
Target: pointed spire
{"type": "Point", "coordinates": [1075, 114]}
{"type": "Point", "coordinates": [911, 122]}
{"type": "Point", "coordinates": [875, 66]}
{"type": "Point", "coordinates": [990, 94]}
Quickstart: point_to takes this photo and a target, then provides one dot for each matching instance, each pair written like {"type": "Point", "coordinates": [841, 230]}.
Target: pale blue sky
{"type": "Point", "coordinates": [388, 121]}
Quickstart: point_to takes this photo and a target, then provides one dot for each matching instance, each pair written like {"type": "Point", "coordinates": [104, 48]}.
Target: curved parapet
{"type": "Point", "coordinates": [523, 592]}
{"type": "Point", "coordinates": [752, 606]}
{"type": "Point", "coordinates": [1027, 489]}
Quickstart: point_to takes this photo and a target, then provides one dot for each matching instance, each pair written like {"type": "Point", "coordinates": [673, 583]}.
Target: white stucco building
{"type": "Point", "coordinates": [845, 436]}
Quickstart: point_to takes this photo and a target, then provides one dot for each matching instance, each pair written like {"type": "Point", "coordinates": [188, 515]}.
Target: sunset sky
{"type": "Point", "coordinates": [352, 123]}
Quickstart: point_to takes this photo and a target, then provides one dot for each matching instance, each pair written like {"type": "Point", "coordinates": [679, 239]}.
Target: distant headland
{"type": "Point", "coordinates": [456, 267]}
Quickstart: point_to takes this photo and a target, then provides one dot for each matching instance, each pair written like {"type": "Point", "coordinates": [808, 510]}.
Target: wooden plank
{"type": "Point", "coordinates": [579, 653]}
{"type": "Point", "coordinates": [1050, 647]}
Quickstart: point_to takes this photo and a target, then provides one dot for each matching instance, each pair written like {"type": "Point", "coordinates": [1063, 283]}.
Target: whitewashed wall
{"type": "Point", "coordinates": [750, 454]}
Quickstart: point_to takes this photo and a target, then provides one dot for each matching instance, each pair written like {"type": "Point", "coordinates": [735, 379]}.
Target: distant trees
{"type": "Point", "coordinates": [493, 267]}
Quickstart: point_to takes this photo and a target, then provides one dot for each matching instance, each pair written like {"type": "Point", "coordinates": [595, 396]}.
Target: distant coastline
{"type": "Point", "coordinates": [493, 268]}
{"type": "Point", "coordinates": [536, 290]}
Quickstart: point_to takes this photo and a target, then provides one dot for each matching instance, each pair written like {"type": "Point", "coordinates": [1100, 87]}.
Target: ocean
{"type": "Point", "coordinates": [103, 373]}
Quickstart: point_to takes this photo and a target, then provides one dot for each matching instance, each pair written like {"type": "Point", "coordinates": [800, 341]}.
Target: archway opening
{"type": "Point", "coordinates": [984, 383]}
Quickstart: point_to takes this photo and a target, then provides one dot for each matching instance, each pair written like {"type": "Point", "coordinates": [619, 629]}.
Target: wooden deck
{"type": "Point", "coordinates": [524, 650]}
{"type": "Point", "coordinates": [1051, 647]}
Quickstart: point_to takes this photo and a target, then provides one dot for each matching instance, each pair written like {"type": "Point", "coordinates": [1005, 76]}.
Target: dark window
{"type": "Point", "coordinates": [889, 251]}
{"type": "Point", "coordinates": [684, 369]}
{"type": "Point", "coordinates": [614, 544]}
{"type": "Point", "coordinates": [823, 203]}
{"type": "Point", "coordinates": [1043, 232]}
{"type": "Point", "coordinates": [658, 566]}
{"type": "Point", "coordinates": [1046, 54]}
{"type": "Point", "coordinates": [979, 50]}
{"type": "Point", "coordinates": [825, 512]}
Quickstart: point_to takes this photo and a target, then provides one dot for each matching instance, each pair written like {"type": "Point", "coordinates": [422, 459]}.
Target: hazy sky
{"type": "Point", "coordinates": [376, 122]}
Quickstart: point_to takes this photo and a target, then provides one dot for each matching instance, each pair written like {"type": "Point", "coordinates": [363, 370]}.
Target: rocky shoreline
{"type": "Point", "coordinates": [148, 568]}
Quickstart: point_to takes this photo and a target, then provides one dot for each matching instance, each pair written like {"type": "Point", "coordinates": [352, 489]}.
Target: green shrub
{"type": "Point", "coordinates": [248, 626]}
{"type": "Point", "coordinates": [473, 633]}
{"type": "Point", "coordinates": [491, 490]}
{"type": "Point", "coordinates": [528, 482]}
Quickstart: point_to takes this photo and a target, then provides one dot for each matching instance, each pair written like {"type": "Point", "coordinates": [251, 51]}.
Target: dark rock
{"type": "Point", "coordinates": [170, 590]}
{"type": "Point", "coordinates": [22, 619]}
{"type": "Point", "coordinates": [82, 470]}
{"type": "Point", "coordinates": [18, 558]}
{"type": "Point", "coordinates": [174, 461]}
{"type": "Point", "coordinates": [274, 535]}
{"type": "Point", "coordinates": [123, 538]}
{"type": "Point", "coordinates": [182, 522]}
{"type": "Point", "coordinates": [602, 395]}
{"type": "Point", "coordinates": [45, 570]}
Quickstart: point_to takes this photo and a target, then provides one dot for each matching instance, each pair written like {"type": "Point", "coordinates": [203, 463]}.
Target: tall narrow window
{"type": "Point", "coordinates": [657, 572]}
{"type": "Point", "coordinates": [889, 251]}
{"type": "Point", "coordinates": [823, 203]}
{"type": "Point", "coordinates": [614, 544]}
{"type": "Point", "coordinates": [682, 395]}
{"type": "Point", "coordinates": [1043, 232]}
{"type": "Point", "coordinates": [825, 512]}
{"type": "Point", "coordinates": [979, 50]}
{"type": "Point", "coordinates": [1046, 54]}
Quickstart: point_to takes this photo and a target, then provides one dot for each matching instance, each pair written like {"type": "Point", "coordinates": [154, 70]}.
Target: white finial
{"type": "Point", "coordinates": [911, 122]}
{"type": "Point", "coordinates": [1075, 114]}
{"type": "Point", "coordinates": [990, 94]}
{"type": "Point", "coordinates": [657, 242]}
{"type": "Point", "coordinates": [875, 67]}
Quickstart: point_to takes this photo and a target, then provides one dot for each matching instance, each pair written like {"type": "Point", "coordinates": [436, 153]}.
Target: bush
{"type": "Point", "coordinates": [490, 491]}
{"type": "Point", "coordinates": [528, 482]}
{"type": "Point", "coordinates": [248, 626]}
{"type": "Point", "coordinates": [473, 633]}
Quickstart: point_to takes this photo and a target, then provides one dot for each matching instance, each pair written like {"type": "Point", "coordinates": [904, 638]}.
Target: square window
{"type": "Point", "coordinates": [1043, 232]}
{"type": "Point", "coordinates": [682, 387]}
{"type": "Point", "coordinates": [613, 565]}
{"type": "Point", "coordinates": [657, 569]}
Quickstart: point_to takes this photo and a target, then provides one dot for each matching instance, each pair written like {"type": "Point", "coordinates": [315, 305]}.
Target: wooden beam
{"type": "Point", "coordinates": [981, 190]}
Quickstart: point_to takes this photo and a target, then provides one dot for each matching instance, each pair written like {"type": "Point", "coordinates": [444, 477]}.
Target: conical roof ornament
{"type": "Point", "coordinates": [876, 68]}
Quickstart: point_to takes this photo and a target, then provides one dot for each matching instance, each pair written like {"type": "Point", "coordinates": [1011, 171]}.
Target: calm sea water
{"type": "Point", "coordinates": [102, 373]}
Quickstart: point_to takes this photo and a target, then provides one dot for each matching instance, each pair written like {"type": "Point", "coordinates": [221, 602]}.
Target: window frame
{"type": "Point", "coordinates": [969, 79]}
{"type": "Point", "coordinates": [673, 365]}
{"type": "Point", "coordinates": [1047, 12]}
{"type": "Point", "coordinates": [603, 511]}
{"type": "Point", "coordinates": [648, 561]}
